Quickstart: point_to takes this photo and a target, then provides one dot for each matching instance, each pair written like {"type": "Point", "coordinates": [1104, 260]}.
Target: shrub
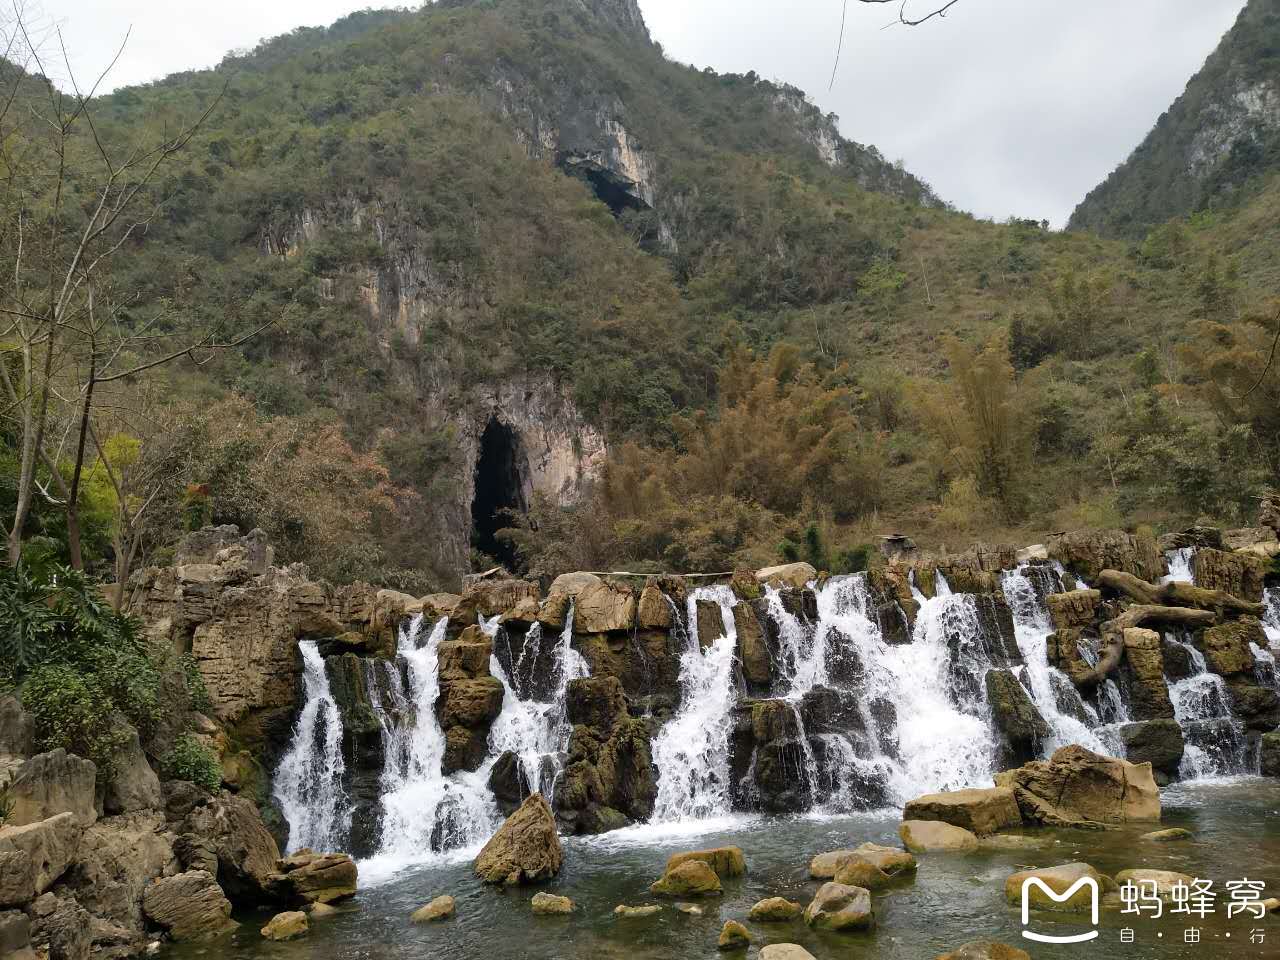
{"type": "Point", "coordinates": [191, 760]}
{"type": "Point", "coordinates": [75, 712]}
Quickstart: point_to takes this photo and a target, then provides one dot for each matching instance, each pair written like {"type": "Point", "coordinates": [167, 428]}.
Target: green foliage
{"type": "Point", "coordinates": [196, 689]}
{"type": "Point", "coordinates": [73, 711]}
{"type": "Point", "coordinates": [191, 760]}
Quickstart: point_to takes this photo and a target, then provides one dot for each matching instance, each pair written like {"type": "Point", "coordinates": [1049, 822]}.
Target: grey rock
{"type": "Point", "coordinates": [52, 783]}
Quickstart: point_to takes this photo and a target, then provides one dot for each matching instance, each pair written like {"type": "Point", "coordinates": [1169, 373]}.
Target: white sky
{"type": "Point", "coordinates": [1006, 106]}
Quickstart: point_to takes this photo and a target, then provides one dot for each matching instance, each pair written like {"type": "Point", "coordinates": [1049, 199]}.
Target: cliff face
{"type": "Point", "coordinates": [1223, 130]}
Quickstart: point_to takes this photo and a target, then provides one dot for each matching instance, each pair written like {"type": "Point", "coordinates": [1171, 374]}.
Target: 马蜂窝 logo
{"type": "Point", "coordinates": [1071, 891]}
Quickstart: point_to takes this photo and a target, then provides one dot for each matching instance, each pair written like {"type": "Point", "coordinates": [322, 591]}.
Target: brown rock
{"type": "Point", "coordinates": [1239, 574]}
{"type": "Point", "coordinates": [306, 877]}
{"type": "Point", "coordinates": [986, 950]}
{"type": "Point", "coordinates": [825, 865]}
{"type": "Point", "coordinates": [229, 829]}
{"type": "Point", "coordinates": [286, 926]}
{"type": "Point", "coordinates": [733, 936]}
{"type": "Point", "coordinates": [1226, 647]}
{"type": "Point", "coordinates": [1149, 693]}
{"type": "Point", "coordinates": [549, 904]}
{"type": "Point", "coordinates": [1059, 880]}
{"type": "Point", "coordinates": [1076, 787]}
{"type": "Point", "coordinates": [727, 862]}
{"type": "Point", "coordinates": [978, 811]}
{"type": "Point", "coordinates": [691, 878]}
{"type": "Point", "coordinates": [797, 575]}
{"type": "Point", "coordinates": [52, 783]}
{"type": "Point", "coordinates": [466, 658]}
{"type": "Point", "coordinates": [190, 906]}
{"type": "Point", "coordinates": [526, 848]}
{"type": "Point", "coordinates": [785, 951]}
{"type": "Point", "coordinates": [602, 606]}
{"type": "Point", "coordinates": [117, 858]}
{"type": "Point", "coordinates": [654, 610]}
{"type": "Point", "coordinates": [757, 665]}
{"type": "Point", "coordinates": [1089, 552]}
{"type": "Point", "coordinates": [933, 836]}
{"type": "Point", "coordinates": [441, 908]}
{"type": "Point", "coordinates": [857, 871]}
{"type": "Point", "coordinates": [469, 703]}
{"type": "Point", "coordinates": [775, 910]}
{"type": "Point", "coordinates": [839, 907]}
{"type": "Point", "coordinates": [709, 622]}
{"type": "Point", "coordinates": [644, 910]}
{"type": "Point", "coordinates": [34, 856]}
{"type": "Point", "coordinates": [1073, 609]}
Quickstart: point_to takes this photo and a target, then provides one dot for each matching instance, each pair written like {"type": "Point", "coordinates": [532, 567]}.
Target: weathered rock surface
{"type": "Point", "coordinates": [1144, 670]}
{"type": "Point", "coordinates": [1089, 552]}
{"type": "Point", "coordinates": [1073, 609]}
{"type": "Point", "coordinates": [933, 836]}
{"type": "Point", "coordinates": [1162, 882]}
{"type": "Point", "coordinates": [794, 575]}
{"type": "Point", "coordinates": [441, 908]}
{"type": "Point", "coordinates": [286, 926]}
{"type": "Point", "coordinates": [785, 951]}
{"type": "Point", "coordinates": [16, 728]}
{"type": "Point", "coordinates": [857, 871]}
{"type": "Point", "coordinates": [526, 848]}
{"type": "Point", "coordinates": [307, 877]}
{"type": "Point", "coordinates": [824, 865]}
{"type": "Point", "coordinates": [653, 611]}
{"type": "Point", "coordinates": [1021, 727]}
{"type": "Point", "coordinates": [1239, 574]}
{"type": "Point", "coordinates": [551, 905]}
{"type": "Point", "coordinates": [35, 855]}
{"type": "Point", "coordinates": [753, 650]}
{"type": "Point", "coordinates": [15, 936]}
{"type": "Point", "coordinates": [775, 910]}
{"type": "Point", "coordinates": [839, 907]}
{"type": "Point", "coordinates": [978, 811]}
{"type": "Point", "coordinates": [1076, 787]}
{"type": "Point", "coordinates": [733, 936]}
{"type": "Point", "coordinates": [1171, 835]}
{"type": "Point", "coordinates": [986, 950]}
{"type": "Point", "coordinates": [1271, 754]}
{"type": "Point", "coordinates": [133, 785]}
{"type": "Point", "coordinates": [1157, 742]}
{"type": "Point", "coordinates": [727, 862]}
{"type": "Point", "coordinates": [227, 837]}
{"type": "Point", "coordinates": [644, 910]}
{"type": "Point", "coordinates": [1226, 647]}
{"type": "Point", "coordinates": [1058, 879]}
{"type": "Point", "coordinates": [61, 929]}
{"type": "Point", "coordinates": [691, 878]}
{"type": "Point", "coordinates": [52, 783]}
{"type": "Point", "coordinates": [190, 906]}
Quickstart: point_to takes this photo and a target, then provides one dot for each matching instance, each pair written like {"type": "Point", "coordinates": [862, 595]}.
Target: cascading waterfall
{"type": "Point", "coordinates": [424, 811]}
{"type": "Point", "coordinates": [1054, 694]}
{"type": "Point", "coordinates": [1179, 563]}
{"type": "Point", "coordinates": [1216, 744]}
{"type": "Point", "coordinates": [308, 782]}
{"type": "Point", "coordinates": [537, 731]}
{"type": "Point", "coordinates": [691, 751]}
{"type": "Point", "coordinates": [1271, 615]}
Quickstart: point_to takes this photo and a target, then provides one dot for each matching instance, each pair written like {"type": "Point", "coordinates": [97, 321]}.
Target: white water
{"type": "Point", "coordinates": [1215, 741]}
{"type": "Point", "coordinates": [425, 813]}
{"type": "Point", "coordinates": [1271, 615]}
{"type": "Point", "coordinates": [691, 751]}
{"type": "Point", "coordinates": [1050, 688]}
{"type": "Point", "coordinates": [308, 782]}
{"type": "Point", "coordinates": [536, 731]}
{"type": "Point", "coordinates": [1179, 563]}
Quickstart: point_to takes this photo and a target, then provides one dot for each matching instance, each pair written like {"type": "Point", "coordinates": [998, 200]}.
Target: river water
{"type": "Point", "coordinates": [954, 898]}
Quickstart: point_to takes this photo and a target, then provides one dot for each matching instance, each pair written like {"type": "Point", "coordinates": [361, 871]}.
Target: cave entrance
{"type": "Point", "coordinates": [500, 486]}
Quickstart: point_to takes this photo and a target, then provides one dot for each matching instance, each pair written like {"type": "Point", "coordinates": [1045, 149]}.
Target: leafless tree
{"type": "Point", "coordinates": [909, 14]}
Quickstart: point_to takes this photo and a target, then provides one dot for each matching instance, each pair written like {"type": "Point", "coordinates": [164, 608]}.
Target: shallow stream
{"type": "Point", "coordinates": [954, 898]}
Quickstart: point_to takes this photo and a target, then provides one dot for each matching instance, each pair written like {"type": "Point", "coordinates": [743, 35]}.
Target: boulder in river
{"type": "Point", "coordinates": [190, 906]}
{"type": "Point", "coordinates": [933, 836]}
{"type": "Point", "coordinates": [986, 950]}
{"type": "Point", "coordinates": [1077, 787]}
{"type": "Point", "coordinates": [549, 904]}
{"type": "Point", "coordinates": [785, 951]}
{"type": "Point", "coordinates": [733, 936]}
{"type": "Point", "coordinates": [1271, 754]}
{"type": "Point", "coordinates": [775, 910]}
{"type": "Point", "coordinates": [839, 907]}
{"type": "Point", "coordinates": [857, 871]}
{"type": "Point", "coordinates": [727, 862]}
{"type": "Point", "coordinates": [526, 848]}
{"type": "Point", "coordinates": [690, 878]}
{"type": "Point", "coordinates": [978, 811]}
{"type": "Point", "coordinates": [1059, 879]}
{"type": "Point", "coordinates": [441, 908]}
{"type": "Point", "coordinates": [1168, 836]}
{"type": "Point", "coordinates": [286, 926]}
{"type": "Point", "coordinates": [1162, 881]}
{"type": "Point", "coordinates": [644, 910]}
{"type": "Point", "coordinates": [307, 877]}
{"type": "Point", "coordinates": [825, 865]}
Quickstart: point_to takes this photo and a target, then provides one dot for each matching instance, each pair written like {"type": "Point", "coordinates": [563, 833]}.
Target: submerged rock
{"type": "Point", "coordinates": [775, 910]}
{"type": "Point", "coordinates": [690, 878]}
{"type": "Point", "coordinates": [986, 950]}
{"type": "Point", "coordinates": [1168, 836]}
{"type": "Point", "coordinates": [933, 836]}
{"type": "Point", "coordinates": [1162, 881]}
{"type": "Point", "coordinates": [733, 936]}
{"type": "Point", "coordinates": [526, 848]}
{"type": "Point", "coordinates": [551, 905]}
{"type": "Point", "coordinates": [839, 907]}
{"type": "Point", "coordinates": [978, 811]}
{"type": "Point", "coordinates": [1059, 879]}
{"type": "Point", "coordinates": [644, 910]}
{"type": "Point", "coordinates": [286, 926]}
{"type": "Point", "coordinates": [785, 951]}
{"type": "Point", "coordinates": [441, 908]}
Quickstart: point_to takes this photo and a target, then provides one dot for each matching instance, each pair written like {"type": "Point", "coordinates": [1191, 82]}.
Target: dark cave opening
{"type": "Point", "coordinates": [499, 487]}
{"type": "Point", "coordinates": [613, 189]}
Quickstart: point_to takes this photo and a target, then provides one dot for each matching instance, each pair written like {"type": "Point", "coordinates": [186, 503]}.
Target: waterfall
{"type": "Point", "coordinates": [691, 751]}
{"type": "Point", "coordinates": [1179, 564]}
{"type": "Point", "coordinates": [308, 782]}
{"type": "Point", "coordinates": [1271, 615]}
{"type": "Point", "coordinates": [424, 811]}
{"type": "Point", "coordinates": [1216, 744]}
{"type": "Point", "coordinates": [1054, 694]}
{"type": "Point", "coordinates": [537, 731]}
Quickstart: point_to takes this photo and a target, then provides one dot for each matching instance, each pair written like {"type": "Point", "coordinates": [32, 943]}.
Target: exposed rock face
{"type": "Point", "coordinates": [1239, 574]}
{"type": "Point", "coordinates": [35, 855]}
{"type": "Point", "coordinates": [1059, 880]}
{"type": "Point", "coordinates": [307, 877]}
{"type": "Point", "coordinates": [733, 936]}
{"type": "Point", "coordinates": [1022, 728]}
{"type": "Point", "coordinates": [1089, 552]}
{"type": "Point", "coordinates": [15, 936]}
{"type": "Point", "coordinates": [1271, 754]}
{"type": "Point", "coordinates": [653, 611]}
{"type": "Point", "coordinates": [727, 862]}
{"type": "Point", "coordinates": [794, 575]}
{"type": "Point", "coordinates": [190, 906]}
{"type": "Point", "coordinates": [775, 910]}
{"type": "Point", "coordinates": [1073, 609]}
{"type": "Point", "coordinates": [1157, 742]}
{"type": "Point", "coordinates": [466, 709]}
{"type": "Point", "coordinates": [52, 783]}
{"type": "Point", "coordinates": [1144, 670]}
{"type": "Point", "coordinates": [757, 665]}
{"type": "Point", "coordinates": [839, 907]}
{"type": "Point", "coordinates": [16, 729]}
{"type": "Point", "coordinates": [133, 785]}
{"type": "Point", "coordinates": [1226, 647]}
{"type": "Point", "coordinates": [226, 836]}
{"type": "Point", "coordinates": [60, 928]}
{"type": "Point", "coordinates": [978, 811]}
{"type": "Point", "coordinates": [1076, 787]}
{"type": "Point", "coordinates": [286, 926]}
{"type": "Point", "coordinates": [526, 848]}
{"type": "Point", "coordinates": [548, 904]}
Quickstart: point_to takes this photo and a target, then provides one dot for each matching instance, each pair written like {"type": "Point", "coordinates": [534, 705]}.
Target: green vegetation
{"type": "Point", "coordinates": [191, 760]}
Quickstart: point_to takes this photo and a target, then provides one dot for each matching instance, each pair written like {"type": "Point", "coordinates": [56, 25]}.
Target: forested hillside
{"type": "Point", "coordinates": [1213, 148]}
{"type": "Point", "coordinates": [504, 256]}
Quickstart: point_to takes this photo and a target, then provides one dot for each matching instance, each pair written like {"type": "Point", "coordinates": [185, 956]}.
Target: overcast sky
{"type": "Point", "coordinates": [1008, 107]}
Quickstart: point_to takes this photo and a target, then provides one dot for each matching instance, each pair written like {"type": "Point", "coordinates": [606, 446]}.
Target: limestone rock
{"type": "Point", "coordinates": [733, 936]}
{"type": "Point", "coordinates": [891, 860]}
{"type": "Point", "coordinates": [1271, 754]}
{"type": "Point", "coordinates": [286, 926]}
{"type": "Point", "coordinates": [321, 911]}
{"type": "Point", "coordinates": [526, 848]}
{"type": "Point", "coordinates": [978, 811]}
{"type": "Point", "coordinates": [1058, 879]}
{"type": "Point", "coordinates": [116, 860]}
{"type": "Point", "coordinates": [757, 665]}
{"type": "Point", "coordinates": [190, 906]}
{"type": "Point", "coordinates": [229, 830]}
{"type": "Point", "coordinates": [61, 929]}
{"type": "Point", "coordinates": [597, 702]}
{"type": "Point", "coordinates": [644, 910]}
{"type": "Point", "coordinates": [775, 910]}
{"type": "Point", "coordinates": [1073, 609]}
{"type": "Point", "coordinates": [933, 836]}
{"type": "Point", "coordinates": [986, 950]}
{"type": "Point", "coordinates": [708, 621]}
{"type": "Point", "coordinates": [16, 728]}
{"type": "Point", "coordinates": [653, 611]}
{"type": "Point", "coordinates": [489, 598]}
{"type": "Point", "coordinates": [825, 865]}
{"type": "Point", "coordinates": [307, 877]}
{"type": "Point", "coordinates": [441, 908]}
{"type": "Point", "coordinates": [551, 905]}
{"type": "Point", "coordinates": [133, 785]}
{"type": "Point", "coordinates": [688, 909]}
{"type": "Point", "coordinates": [796, 575]}
{"type": "Point", "coordinates": [1226, 647]}
{"type": "Point", "coordinates": [839, 907]}
{"type": "Point", "coordinates": [34, 856]}
{"type": "Point", "coordinates": [785, 951]}
{"type": "Point", "coordinates": [1076, 787]}
{"type": "Point", "coordinates": [599, 606]}
{"type": "Point", "coordinates": [1157, 742]}
{"type": "Point", "coordinates": [1089, 552]}
{"type": "Point", "coordinates": [857, 871]}
{"type": "Point", "coordinates": [1161, 881]}
{"type": "Point", "coordinates": [1144, 667]}
{"type": "Point", "coordinates": [1239, 574]}
{"type": "Point", "coordinates": [1258, 707]}
{"type": "Point", "coordinates": [52, 783]}
{"type": "Point", "coordinates": [1168, 836]}
{"type": "Point", "coordinates": [466, 658]}
{"type": "Point", "coordinates": [727, 862]}
{"type": "Point", "coordinates": [1022, 729]}
{"type": "Point", "coordinates": [691, 878]}
{"type": "Point", "coordinates": [15, 936]}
